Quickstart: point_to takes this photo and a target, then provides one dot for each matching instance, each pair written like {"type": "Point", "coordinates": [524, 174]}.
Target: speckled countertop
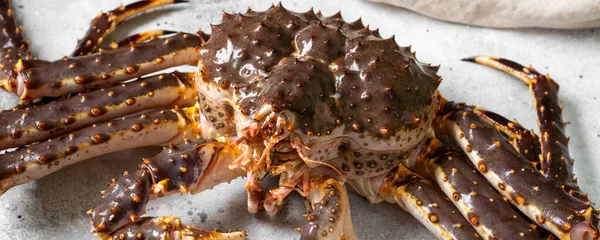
{"type": "Point", "coordinates": [54, 207]}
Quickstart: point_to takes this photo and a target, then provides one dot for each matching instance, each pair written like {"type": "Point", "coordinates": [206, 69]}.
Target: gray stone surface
{"type": "Point", "coordinates": [54, 207]}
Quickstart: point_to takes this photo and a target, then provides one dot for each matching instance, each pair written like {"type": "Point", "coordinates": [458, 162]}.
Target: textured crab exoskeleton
{"type": "Point", "coordinates": [314, 100]}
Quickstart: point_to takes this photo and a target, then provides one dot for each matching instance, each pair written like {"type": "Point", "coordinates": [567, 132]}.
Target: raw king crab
{"type": "Point", "coordinates": [323, 104]}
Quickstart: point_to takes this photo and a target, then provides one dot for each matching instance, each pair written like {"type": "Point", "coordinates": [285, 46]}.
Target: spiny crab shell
{"type": "Point", "coordinates": [320, 80]}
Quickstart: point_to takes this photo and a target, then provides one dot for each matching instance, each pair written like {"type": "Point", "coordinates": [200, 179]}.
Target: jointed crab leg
{"type": "Point", "coordinates": [190, 167]}
{"type": "Point", "coordinates": [78, 74]}
{"type": "Point", "coordinates": [11, 33]}
{"type": "Point", "coordinates": [12, 46]}
{"type": "Point", "coordinates": [525, 141]}
{"type": "Point", "coordinates": [427, 204]}
{"type": "Point", "coordinates": [41, 122]}
{"type": "Point", "coordinates": [140, 37]}
{"type": "Point", "coordinates": [329, 217]}
{"type": "Point", "coordinates": [156, 127]}
{"type": "Point", "coordinates": [105, 23]}
{"type": "Point", "coordinates": [518, 180]}
{"type": "Point", "coordinates": [169, 228]}
{"type": "Point", "coordinates": [556, 162]}
{"type": "Point", "coordinates": [487, 211]}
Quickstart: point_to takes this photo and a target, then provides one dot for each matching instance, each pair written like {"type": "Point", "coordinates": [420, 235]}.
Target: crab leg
{"type": "Point", "coordinates": [518, 180]}
{"type": "Point", "coordinates": [37, 123]}
{"type": "Point", "coordinates": [170, 228]}
{"type": "Point", "coordinates": [556, 162]}
{"type": "Point", "coordinates": [329, 216]}
{"type": "Point", "coordinates": [525, 141]}
{"type": "Point", "coordinates": [105, 23]}
{"type": "Point", "coordinates": [78, 74]}
{"type": "Point", "coordinates": [487, 211]}
{"type": "Point", "coordinates": [156, 127]}
{"type": "Point", "coordinates": [427, 204]}
{"type": "Point", "coordinates": [13, 47]}
{"type": "Point", "coordinates": [140, 37]}
{"type": "Point", "coordinates": [11, 33]}
{"type": "Point", "coordinates": [190, 167]}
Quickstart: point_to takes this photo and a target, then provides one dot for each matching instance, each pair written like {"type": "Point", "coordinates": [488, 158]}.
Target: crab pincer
{"type": "Point", "coordinates": [329, 213]}
{"type": "Point", "coordinates": [191, 167]}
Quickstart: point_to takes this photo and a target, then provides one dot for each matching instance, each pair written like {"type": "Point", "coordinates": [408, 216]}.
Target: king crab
{"type": "Point", "coordinates": [314, 100]}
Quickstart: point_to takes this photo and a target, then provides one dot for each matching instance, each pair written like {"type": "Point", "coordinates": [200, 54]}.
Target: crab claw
{"type": "Point", "coordinates": [189, 167]}
{"type": "Point", "coordinates": [170, 228]}
{"type": "Point", "coordinates": [330, 215]}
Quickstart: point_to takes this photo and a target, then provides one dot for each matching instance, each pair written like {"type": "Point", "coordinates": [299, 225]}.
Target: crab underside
{"type": "Point", "coordinates": [317, 101]}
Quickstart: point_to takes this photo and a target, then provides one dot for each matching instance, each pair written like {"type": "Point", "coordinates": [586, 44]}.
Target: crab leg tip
{"type": "Point", "coordinates": [469, 59]}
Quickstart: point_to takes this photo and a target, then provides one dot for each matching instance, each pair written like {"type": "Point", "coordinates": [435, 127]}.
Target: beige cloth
{"type": "Point", "coordinates": [509, 13]}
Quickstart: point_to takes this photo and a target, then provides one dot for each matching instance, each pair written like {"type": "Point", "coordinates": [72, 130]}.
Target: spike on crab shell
{"type": "Point", "coordinates": [434, 68]}
{"type": "Point", "coordinates": [226, 16]}
{"type": "Point", "coordinates": [310, 14]}
{"type": "Point", "coordinates": [391, 41]}
{"type": "Point", "coordinates": [377, 34]}
{"type": "Point", "coordinates": [358, 24]}
{"type": "Point", "coordinates": [338, 15]}
{"type": "Point", "coordinates": [365, 30]}
{"type": "Point", "coordinates": [280, 5]}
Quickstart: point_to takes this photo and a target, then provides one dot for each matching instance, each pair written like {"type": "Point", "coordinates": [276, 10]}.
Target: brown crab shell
{"type": "Point", "coordinates": [337, 79]}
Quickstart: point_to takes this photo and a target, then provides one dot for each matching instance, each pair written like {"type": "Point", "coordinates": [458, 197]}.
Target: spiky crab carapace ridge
{"type": "Point", "coordinates": [314, 100]}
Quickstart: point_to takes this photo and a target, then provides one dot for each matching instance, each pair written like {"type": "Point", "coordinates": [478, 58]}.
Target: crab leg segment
{"type": "Point", "coordinates": [105, 23]}
{"type": "Point", "coordinates": [12, 46]}
{"type": "Point", "coordinates": [488, 212]}
{"type": "Point", "coordinates": [517, 179]}
{"type": "Point", "coordinates": [73, 75]}
{"type": "Point", "coordinates": [418, 197]}
{"type": "Point", "coordinates": [556, 162]}
{"type": "Point", "coordinates": [11, 33]}
{"type": "Point", "coordinates": [140, 37]}
{"type": "Point", "coordinates": [37, 123]}
{"type": "Point", "coordinates": [156, 127]}
{"type": "Point", "coordinates": [329, 217]}
{"type": "Point", "coordinates": [525, 141]}
{"type": "Point", "coordinates": [169, 228]}
{"type": "Point", "coordinates": [190, 167]}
